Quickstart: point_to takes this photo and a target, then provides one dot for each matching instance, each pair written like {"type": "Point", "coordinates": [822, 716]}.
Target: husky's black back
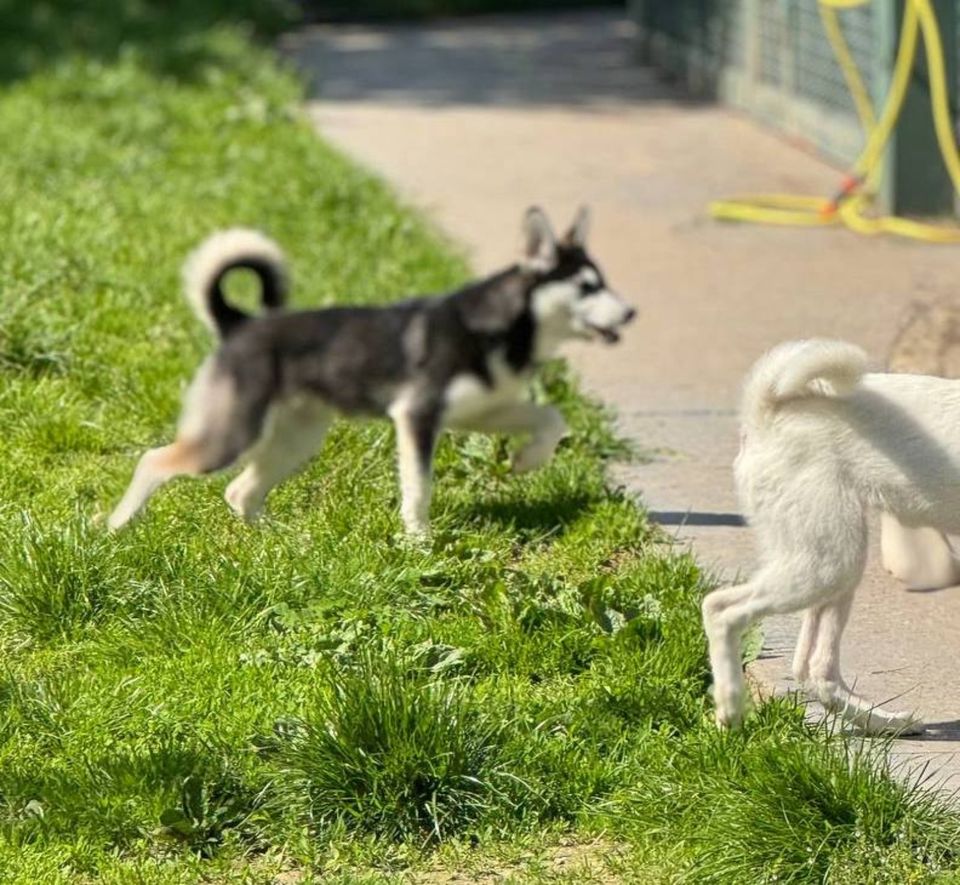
{"type": "Point", "coordinates": [356, 357]}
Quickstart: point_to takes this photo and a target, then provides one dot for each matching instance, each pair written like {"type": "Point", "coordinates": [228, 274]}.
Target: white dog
{"type": "Point", "coordinates": [821, 442]}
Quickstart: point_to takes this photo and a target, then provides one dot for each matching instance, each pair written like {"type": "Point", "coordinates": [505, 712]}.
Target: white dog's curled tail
{"type": "Point", "coordinates": [209, 263]}
{"type": "Point", "coordinates": [796, 369]}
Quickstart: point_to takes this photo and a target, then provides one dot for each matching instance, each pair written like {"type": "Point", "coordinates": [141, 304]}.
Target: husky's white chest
{"type": "Point", "coordinates": [467, 396]}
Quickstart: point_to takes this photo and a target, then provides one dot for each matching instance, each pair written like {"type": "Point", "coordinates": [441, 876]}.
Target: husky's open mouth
{"type": "Point", "coordinates": [610, 336]}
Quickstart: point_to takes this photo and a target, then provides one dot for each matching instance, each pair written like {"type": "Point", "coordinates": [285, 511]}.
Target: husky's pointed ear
{"type": "Point", "coordinates": [577, 235]}
{"type": "Point", "coordinates": [539, 242]}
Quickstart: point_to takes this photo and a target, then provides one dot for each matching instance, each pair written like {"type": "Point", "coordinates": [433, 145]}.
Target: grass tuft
{"type": "Point", "coordinates": [54, 581]}
{"type": "Point", "coordinates": [788, 802]}
{"type": "Point", "coordinates": [390, 749]}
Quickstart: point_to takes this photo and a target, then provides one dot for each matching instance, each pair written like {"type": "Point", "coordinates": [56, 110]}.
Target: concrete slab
{"type": "Point", "coordinates": [473, 121]}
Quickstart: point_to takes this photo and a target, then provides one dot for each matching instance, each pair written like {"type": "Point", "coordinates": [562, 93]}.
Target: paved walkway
{"type": "Point", "coordinates": [474, 121]}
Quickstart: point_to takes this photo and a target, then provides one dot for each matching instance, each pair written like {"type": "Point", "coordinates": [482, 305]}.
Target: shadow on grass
{"type": "Point", "coordinates": [166, 34]}
{"type": "Point", "coordinates": [534, 516]}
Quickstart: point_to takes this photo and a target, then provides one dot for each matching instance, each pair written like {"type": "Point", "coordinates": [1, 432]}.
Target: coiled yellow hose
{"type": "Point", "coordinates": [850, 205]}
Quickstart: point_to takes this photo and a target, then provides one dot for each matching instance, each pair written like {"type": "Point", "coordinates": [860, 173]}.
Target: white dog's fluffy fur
{"type": "Point", "coordinates": [821, 443]}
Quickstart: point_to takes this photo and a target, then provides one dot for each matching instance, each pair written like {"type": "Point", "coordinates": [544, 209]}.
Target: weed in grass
{"type": "Point", "coordinates": [207, 811]}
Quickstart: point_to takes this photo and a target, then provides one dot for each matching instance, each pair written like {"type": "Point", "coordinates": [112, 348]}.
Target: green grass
{"type": "Point", "coordinates": [198, 700]}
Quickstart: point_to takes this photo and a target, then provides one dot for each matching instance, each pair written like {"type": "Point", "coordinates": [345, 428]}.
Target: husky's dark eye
{"type": "Point", "coordinates": [589, 289]}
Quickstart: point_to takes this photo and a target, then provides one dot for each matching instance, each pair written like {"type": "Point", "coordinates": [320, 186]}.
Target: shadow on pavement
{"type": "Point", "coordinates": [579, 58]}
{"type": "Point", "coordinates": [939, 731]}
{"type": "Point", "coordinates": [693, 518]}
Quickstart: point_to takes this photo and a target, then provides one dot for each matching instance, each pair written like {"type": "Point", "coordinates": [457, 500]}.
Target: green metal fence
{"type": "Point", "coordinates": [772, 58]}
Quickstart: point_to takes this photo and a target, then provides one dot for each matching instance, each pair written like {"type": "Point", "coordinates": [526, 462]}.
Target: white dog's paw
{"type": "Point", "coordinates": [728, 721]}
{"type": "Point", "coordinates": [728, 710]}
{"type": "Point", "coordinates": [884, 722]}
{"type": "Point", "coordinates": [863, 717]}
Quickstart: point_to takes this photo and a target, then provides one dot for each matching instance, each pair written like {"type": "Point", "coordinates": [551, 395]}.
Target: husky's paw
{"type": "Point", "coordinates": [531, 457]}
{"type": "Point", "coordinates": [415, 538]}
{"type": "Point", "coordinates": [240, 499]}
{"type": "Point", "coordinates": [116, 520]}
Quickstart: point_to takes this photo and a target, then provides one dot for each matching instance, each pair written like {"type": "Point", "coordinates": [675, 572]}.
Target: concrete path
{"type": "Point", "coordinates": [473, 121]}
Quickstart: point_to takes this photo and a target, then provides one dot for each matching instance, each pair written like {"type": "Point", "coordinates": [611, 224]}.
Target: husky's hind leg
{"type": "Point", "coordinates": [292, 433]}
{"type": "Point", "coordinates": [216, 426]}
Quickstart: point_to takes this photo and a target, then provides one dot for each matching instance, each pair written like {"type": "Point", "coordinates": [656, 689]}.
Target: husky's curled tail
{"type": "Point", "coordinates": [206, 267]}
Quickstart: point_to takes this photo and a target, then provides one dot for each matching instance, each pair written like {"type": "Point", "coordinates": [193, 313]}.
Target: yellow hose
{"type": "Point", "coordinates": [849, 207]}
{"type": "Point", "coordinates": [848, 67]}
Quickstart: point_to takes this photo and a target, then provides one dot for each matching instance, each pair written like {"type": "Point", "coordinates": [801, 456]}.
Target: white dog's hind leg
{"type": "Point", "coordinates": [920, 557]}
{"type": "Point", "coordinates": [727, 614]}
{"type": "Point", "coordinates": [787, 583]}
{"type": "Point", "coordinates": [723, 638]}
{"type": "Point", "coordinates": [805, 642]}
{"type": "Point", "coordinates": [293, 433]}
{"type": "Point", "coordinates": [827, 685]}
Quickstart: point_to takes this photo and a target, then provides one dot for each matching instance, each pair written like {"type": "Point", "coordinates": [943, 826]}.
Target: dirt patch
{"type": "Point", "coordinates": [589, 863]}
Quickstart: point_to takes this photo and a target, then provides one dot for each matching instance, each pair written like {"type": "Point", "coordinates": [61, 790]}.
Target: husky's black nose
{"type": "Point", "coordinates": [631, 313]}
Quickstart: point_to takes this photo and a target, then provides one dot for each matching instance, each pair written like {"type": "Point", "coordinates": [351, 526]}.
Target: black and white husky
{"type": "Point", "coordinates": [462, 361]}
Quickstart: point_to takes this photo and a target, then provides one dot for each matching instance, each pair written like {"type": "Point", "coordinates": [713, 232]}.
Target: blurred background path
{"type": "Point", "coordinates": [474, 120]}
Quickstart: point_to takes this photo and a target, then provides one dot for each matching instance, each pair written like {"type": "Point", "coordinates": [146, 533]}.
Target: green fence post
{"type": "Point", "coordinates": [636, 12]}
{"type": "Point", "coordinates": [915, 181]}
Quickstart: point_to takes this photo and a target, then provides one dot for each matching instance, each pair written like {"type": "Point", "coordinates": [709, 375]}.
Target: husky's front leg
{"type": "Point", "coordinates": [544, 426]}
{"type": "Point", "coordinates": [416, 428]}
{"type": "Point", "coordinates": [547, 428]}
